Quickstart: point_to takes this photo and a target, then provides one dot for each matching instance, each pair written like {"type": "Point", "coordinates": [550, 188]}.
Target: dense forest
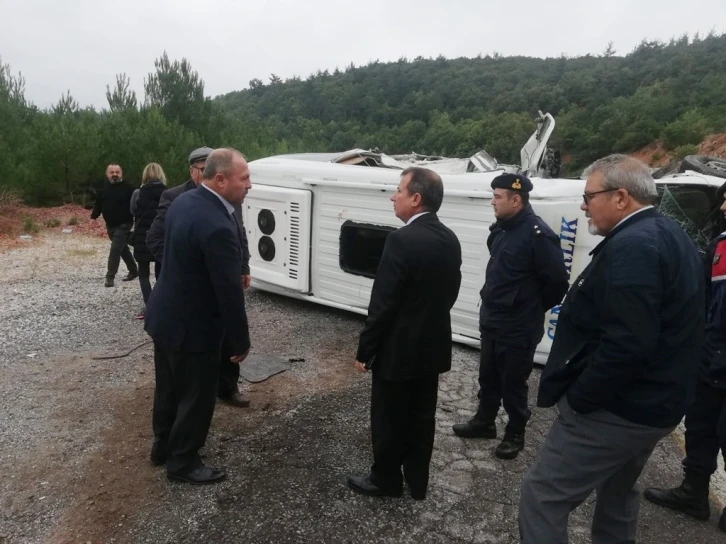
{"type": "Point", "coordinates": [674, 92]}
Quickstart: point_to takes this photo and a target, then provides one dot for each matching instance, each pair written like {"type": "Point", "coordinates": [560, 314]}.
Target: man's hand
{"type": "Point", "coordinates": [246, 279]}
{"type": "Point", "coordinates": [237, 359]}
{"type": "Point", "coordinates": [360, 367]}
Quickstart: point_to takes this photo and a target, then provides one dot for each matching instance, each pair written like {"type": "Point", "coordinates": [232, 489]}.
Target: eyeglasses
{"type": "Point", "coordinates": [586, 196]}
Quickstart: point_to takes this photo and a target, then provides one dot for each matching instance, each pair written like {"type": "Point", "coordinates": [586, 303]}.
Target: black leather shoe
{"type": "Point", "coordinates": [130, 276]}
{"type": "Point", "coordinates": [476, 427]}
{"type": "Point", "coordinates": [109, 282]}
{"type": "Point", "coordinates": [364, 486]}
{"type": "Point", "coordinates": [236, 399]}
{"type": "Point", "coordinates": [199, 476]}
{"type": "Point", "coordinates": [511, 444]}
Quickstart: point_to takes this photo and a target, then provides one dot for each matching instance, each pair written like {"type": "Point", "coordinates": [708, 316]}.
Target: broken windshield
{"type": "Point", "coordinates": [694, 208]}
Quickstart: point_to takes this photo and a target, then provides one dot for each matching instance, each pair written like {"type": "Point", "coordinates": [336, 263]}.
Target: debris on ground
{"type": "Point", "coordinates": [258, 368]}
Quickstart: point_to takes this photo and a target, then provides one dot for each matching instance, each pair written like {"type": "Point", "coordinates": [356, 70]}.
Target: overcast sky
{"type": "Point", "coordinates": [80, 45]}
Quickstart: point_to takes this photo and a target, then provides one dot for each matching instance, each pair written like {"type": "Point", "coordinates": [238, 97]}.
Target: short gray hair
{"type": "Point", "coordinates": [220, 161]}
{"type": "Point", "coordinates": [624, 172]}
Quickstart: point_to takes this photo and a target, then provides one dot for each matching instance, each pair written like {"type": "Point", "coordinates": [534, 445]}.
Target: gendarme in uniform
{"type": "Point", "coordinates": [525, 277]}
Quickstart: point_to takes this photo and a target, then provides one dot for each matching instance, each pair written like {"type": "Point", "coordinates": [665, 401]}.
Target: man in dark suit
{"type": "Point", "coordinates": [227, 388]}
{"type": "Point", "coordinates": [196, 299]}
{"type": "Point", "coordinates": [407, 337]}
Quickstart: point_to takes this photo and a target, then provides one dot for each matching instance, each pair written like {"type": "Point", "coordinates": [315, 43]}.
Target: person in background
{"type": "Point", "coordinates": [114, 203]}
{"type": "Point", "coordinates": [706, 418]}
{"type": "Point", "coordinates": [144, 202]}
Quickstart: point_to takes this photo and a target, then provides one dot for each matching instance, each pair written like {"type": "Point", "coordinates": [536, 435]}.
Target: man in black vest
{"type": "Point", "coordinates": [407, 337]}
{"type": "Point", "coordinates": [114, 202]}
{"type": "Point", "coordinates": [228, 390]}
{"type": "Point", "coordinates": [525, 277]}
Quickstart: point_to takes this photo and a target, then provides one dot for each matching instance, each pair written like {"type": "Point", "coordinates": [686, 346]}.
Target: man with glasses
{"type": "Point", "coordinates": [525, 277]}
{"type": "Point", "coordinates": [228, 390]}
{"type": "Point", "coordinates": [621, 368]}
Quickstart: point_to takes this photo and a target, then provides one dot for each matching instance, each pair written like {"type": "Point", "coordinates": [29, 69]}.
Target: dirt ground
{"type": "Point", "coordinates": [75, 431]}
{"type": "Point", "coordinates": [656, 155]}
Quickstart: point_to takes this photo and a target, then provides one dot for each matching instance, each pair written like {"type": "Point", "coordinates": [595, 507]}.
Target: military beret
{"type": "Point", "coordinates": [720, 192]}
{"type": "Point", "coordinates": [199, 154]}
{"type": "Point", "coordinates": [513, 182]}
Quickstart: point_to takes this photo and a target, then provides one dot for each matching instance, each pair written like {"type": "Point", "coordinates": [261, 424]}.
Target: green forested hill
{"type": "Point", "coordinates": [602, 104]}
{"type": "Point", "coordinates": [607, 103]}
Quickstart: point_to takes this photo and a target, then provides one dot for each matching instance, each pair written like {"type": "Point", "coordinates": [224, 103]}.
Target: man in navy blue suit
{"type": "Point", "coordinates": [195, 301]}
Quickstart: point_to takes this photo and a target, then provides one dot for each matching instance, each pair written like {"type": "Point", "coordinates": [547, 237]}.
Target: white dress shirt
{"type": "Point", "coordinates": [227, 205]}
{"type": "Point", "coordinates": [415, 217]}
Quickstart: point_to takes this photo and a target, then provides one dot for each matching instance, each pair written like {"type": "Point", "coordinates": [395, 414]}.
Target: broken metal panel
{"type": "Point", "coordinates": [533, 151]}
{"type": "Point", "coordinates": [481, 162]}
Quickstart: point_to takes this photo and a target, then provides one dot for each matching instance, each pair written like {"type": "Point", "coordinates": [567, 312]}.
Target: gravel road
{"type": "Point", "coordinates": [75, 431]}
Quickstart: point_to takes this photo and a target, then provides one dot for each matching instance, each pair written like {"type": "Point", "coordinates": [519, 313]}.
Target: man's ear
{"type": "Point", "coordinates": [622, 196]}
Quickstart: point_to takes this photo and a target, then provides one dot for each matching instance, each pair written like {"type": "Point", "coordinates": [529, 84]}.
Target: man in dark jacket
{"type": "Point", "coordinates": [706, 417]}
{"type": "Point", "coordinates": [113, 202]}
{"type": "Point", "coordinates": [407, 337]}
{"type": "Point", "coordinates": [621, 365]}
{"type": "Point", "coordinates": [525, 277]}
{"type": "Point", "coordinates": [228, 389]}
{"type": "Point", "coordinates": [197, 299]}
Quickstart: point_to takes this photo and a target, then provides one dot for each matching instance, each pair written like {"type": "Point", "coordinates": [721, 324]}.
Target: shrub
{"type": "Point", "coordinates": [689, 128]}
{"type": "Point", "coordinates": [29, 226]}
{"type": "Point", "coordinates": [683, 150]}
{"type": "Point", "coordinates": [8, 197]}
